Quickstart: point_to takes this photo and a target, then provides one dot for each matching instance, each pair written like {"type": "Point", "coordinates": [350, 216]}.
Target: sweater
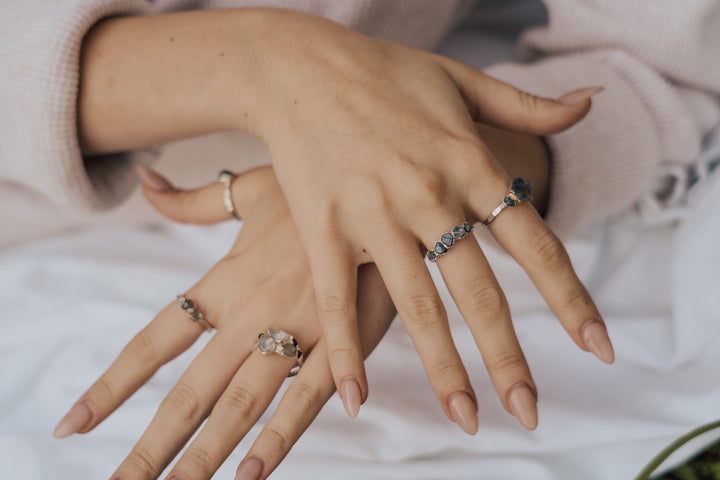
{"type": "Point", "coordinates": [659, 61]}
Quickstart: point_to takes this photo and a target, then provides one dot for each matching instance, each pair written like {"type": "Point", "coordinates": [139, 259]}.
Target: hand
{"type": "Point", "coordinates": [375, 148]}
{"type": "Point", "coordinates": [262, 283]}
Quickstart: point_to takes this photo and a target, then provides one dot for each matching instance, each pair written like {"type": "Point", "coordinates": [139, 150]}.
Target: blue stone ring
{"type": "Point", "coordinates": [520, 191]}
{"type": "Point", "coordinates": [226, 177]}
{"type": "Point", "coordinates": [447, 240]}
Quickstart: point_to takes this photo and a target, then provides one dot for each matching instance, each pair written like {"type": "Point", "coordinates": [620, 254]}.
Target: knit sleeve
{"type": "Point", "coordinates": [40, 44]}
{"type": "Point", "coordinates": [661, 80]}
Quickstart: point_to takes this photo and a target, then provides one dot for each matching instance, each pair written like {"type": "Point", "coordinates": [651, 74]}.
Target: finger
{"type": "Point", "coordinates": [524, 235]}
{"type": "Point", "coordinates": [423, 314]}
{"type": "Point", "coordinates": [164, 338]}
{"type": "Point", "coordinates": [314, 384]}
{"type": "Point", "coordinates": [335, 281]}
{"type": "Point", "coordinates": [186, 406]}
{"type": "Point", "coordinates": [482, 304]}
{"type": "Point", "coordinates": [238, 409]}
{"type": "Point", "coordinates": [502, 105]}
{"type": "Point", "coordinates": [300, 404]}
{"type": "Point", "coordinates": [203, 205]}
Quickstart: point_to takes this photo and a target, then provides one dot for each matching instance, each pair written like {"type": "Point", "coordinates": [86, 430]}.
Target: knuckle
{"type": "Point", "coordinates": [239, 402]}
{"type": "Point", "coordinates": [103, 393]}
{"type": "Point", "coordinates": [341, 353]}
{"type": "Point", "coordinates": [579, 300]}
{"type": "Point", "coordinates": [446, 368]}
{"type": "Point", "coordinates": [550, 252]}
{"type": "Point", "coordinates": [487, 298]}
{"type": "Point", "coordinates": [183, 402]}
{"type": "Point", "coordinates": [512, 360]}
{"type": "Point", "coordinates": [141, 459]}
{"type": "Point", "coordinates": [202, 458]}
{"type": "Point", "coordinates": [304, 396]}
{"type": "Point", "coordinates": [425, 310]}
{"type": "Point", "coordinates": [335, 307]}
{"type": "Point", "coordinates": [427, 187]}
{"type": "Point", "coordinates": [279, 440]}
{"type": "Point", "coordinates": [142, 348]}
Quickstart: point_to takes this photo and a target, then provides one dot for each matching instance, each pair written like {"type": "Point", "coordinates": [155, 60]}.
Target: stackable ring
{"type": "Point", "coordinates": [281, 343]}
{"type": "Point", "coordinates": [193, 312]}
{"type": "Point", "coordinates": [226, 177]}
{"type": "Point", "coordinates": [520, 191]}
{"type": "Point", "coordinates": [447, 240]}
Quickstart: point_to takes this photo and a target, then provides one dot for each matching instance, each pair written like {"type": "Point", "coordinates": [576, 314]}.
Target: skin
{"type": "Point", "coordinates": [335, 109]}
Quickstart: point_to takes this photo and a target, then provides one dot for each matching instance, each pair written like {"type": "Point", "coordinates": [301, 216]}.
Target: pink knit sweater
{"type": "Point", "coordinates": [659, 61]}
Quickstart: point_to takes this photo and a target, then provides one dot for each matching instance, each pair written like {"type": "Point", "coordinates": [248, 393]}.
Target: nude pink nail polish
{"type": "Point", "coordinates": [351, 397]}
{"type": "Point", "coordinates": [75, 420]}
{"type": "Point", "coordinates": [577, 96]}
{"type": "Point", "coordinates": [250, 469]}
{"type": "Point", "coordinates": [597, 341]}
{"type": "Point", "coordinates": [523, 405]}
{"type": "Point", "coordinates": [464, 412]}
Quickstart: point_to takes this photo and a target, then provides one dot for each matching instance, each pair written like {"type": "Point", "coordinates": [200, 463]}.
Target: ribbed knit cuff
{"type": "Point", "coordinates": [604, 163]}
{"type": "Point", "coordinates": [41, 59]}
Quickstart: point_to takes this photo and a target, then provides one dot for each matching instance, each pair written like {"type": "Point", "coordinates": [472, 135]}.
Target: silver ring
{"type": "Point", "coordinates": [447, 240]}
{"type": "Point", "coordinates": [193, 313]}
{"type": "Point", "coordinates": [283, 344]}
{"type": "Point", "coordinates": [226, 177]}
{"type": "Point", "coordinates": [520, 191]}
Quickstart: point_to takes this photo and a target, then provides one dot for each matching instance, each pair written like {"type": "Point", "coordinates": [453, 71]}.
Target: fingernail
{"type": "Point", "coordinates": [523, 405]}
{"type": "Point", "coordinates": [75, 420]}
{"type": "Point", "coordinates": [464, 412]}
{"type": "Point", "coordinates": [351, 397]}
{"type": "Point", "coordinates": [597, 341]}
{"type": "Point", "coordinates": [580, 95]}
{"type": "Point", "coordinates": [153, 179]}
{"type": "Point", "coordinates": [250, 469]}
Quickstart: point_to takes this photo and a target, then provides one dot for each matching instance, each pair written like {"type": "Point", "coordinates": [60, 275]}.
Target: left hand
{"type": "Point", "coordinates": [262, 283]}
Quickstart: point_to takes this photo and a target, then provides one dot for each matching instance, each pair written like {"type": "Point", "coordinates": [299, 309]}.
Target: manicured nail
{"type": "Point", "coordinates": [523, 405]}
{"type": "Point", "coordinates": [580, 95]}
{"type": "Point", "coordinates": [464, 412]}
{"type": "Point", "coordinates": [597, 341]}
{"type": "Point", "coordinates": [250, 469]}
{"type": "Point", "coordinates": [153, 179]}
{"type": "Point", "coordinates": [76, 419]}
{"type": "Point", "coordinates": [351, 397]}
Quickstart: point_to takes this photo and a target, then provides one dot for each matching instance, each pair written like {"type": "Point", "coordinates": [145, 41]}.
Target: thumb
{"type": "Point", "coordinates": [203, 205]}
{"type": "Point", "coordinates": [501, 105]}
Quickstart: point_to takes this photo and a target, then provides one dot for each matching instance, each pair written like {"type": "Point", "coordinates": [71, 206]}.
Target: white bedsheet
{"type": "Point", "coordinates": [74, 291]}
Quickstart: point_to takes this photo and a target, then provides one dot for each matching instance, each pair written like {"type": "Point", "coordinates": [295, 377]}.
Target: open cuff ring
{"type": "Point", "coordinates": [226, 177]}
{"type": "Point", "coordinates": [283, 344]}
{"type": "Point", "coordinates": [447, 240]}
{"type": "Point", "coordinates": [520, 191]}
{"type": "Point", "coordinates": [193, 312]}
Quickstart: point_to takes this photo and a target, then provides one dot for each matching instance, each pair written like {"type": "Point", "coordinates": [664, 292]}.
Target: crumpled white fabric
{"type": "Point", "coordinates": [74, 291]}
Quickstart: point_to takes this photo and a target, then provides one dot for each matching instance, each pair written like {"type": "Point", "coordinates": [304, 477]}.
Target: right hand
{"type": "Point", "coordinates": [375, 147]}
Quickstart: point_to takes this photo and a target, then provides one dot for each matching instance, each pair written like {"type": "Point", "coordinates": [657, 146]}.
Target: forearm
{"type": "Point", "coordinates": [153, 79]}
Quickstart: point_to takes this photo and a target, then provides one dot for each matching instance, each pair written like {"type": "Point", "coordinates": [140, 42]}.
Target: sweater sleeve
{"type": "Point", "coordinates": [658, 61]}
{"type": "Point", "coordinates": [40, 44]}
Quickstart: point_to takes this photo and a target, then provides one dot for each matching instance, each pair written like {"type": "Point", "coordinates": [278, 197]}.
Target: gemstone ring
{"type": "Point", "coordinates": [281, 343]}
{"type": "Point", "coordinates": [447, 240]}
{"type": "Point", "coordinates": [193, 313]}
{"type": "Point", "coordinates": [520, 191]}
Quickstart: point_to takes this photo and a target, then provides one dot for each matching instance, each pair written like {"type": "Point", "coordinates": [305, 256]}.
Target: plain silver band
{"type": "Point", "coordinates": [227, 195]}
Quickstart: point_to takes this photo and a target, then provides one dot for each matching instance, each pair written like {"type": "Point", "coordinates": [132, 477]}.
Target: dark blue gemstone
{"type": "Point", "coordinates": [226, 172]}
{"type": "Point", "coordinates": [467, 227]}
{"type": "Point", "coordinates": [431, 256]}
{"type": "Point", "coordinates": [509, 201]}
{"type": "Point", "coordinates": [458, 231]}
{"type": "Point", "coordinates": [188, 305]}
{"type": "Point", "coordinates": [447, 239]}
{"type": "Point", "coordinates": [522, 189]}
{"type": "Point", "coordinates": [440, 248]}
